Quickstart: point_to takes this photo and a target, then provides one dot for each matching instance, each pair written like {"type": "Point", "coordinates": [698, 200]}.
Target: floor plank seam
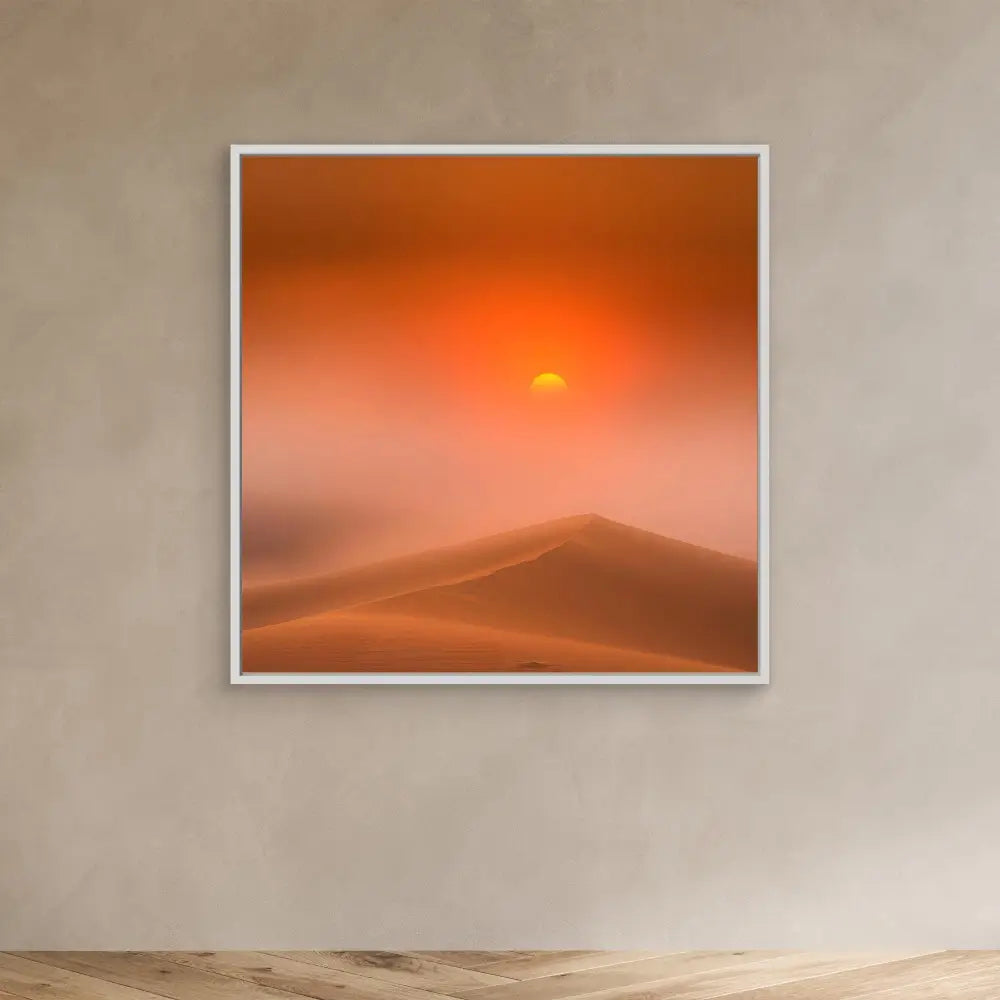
{"type": "Point", "coordinates": [362, 975]}
{"type": "Point", "coordinates": [266, 954]}
{"type": "Point", "coordinates": [86, 975]}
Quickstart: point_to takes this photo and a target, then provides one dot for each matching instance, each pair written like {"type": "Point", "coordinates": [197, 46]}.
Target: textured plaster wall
{"type": "Point", "coordinates": [144, 803]}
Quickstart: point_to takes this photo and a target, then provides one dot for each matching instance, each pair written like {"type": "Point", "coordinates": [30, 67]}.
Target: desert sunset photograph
{"type": "Point", "coordinates": [498, 414]}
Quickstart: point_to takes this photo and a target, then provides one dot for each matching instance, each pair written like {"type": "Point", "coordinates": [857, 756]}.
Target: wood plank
{"type": "Point", "coordinates": [145, 971]}
{"type": "Point", "coordinates": [756, 975]}
{"type": "Point", "coordinates": [659, 969]}
{"type": "Point", "coordinates": [470, 959]}
{"type": "Point", "coordinates": [981, 985]}
{"type": "Point", "coordinates": [397, 967]}
{"type": "Point", "coordinates": [301, 978]}
{"type": "Point", "coordinates": [859, 984]}
{"type": "Point", "coordinates": [35, 980]}
{"type": "Point", "coordinates": [917, 976]}
{"type": "Point", "coordinates": [556, 963]}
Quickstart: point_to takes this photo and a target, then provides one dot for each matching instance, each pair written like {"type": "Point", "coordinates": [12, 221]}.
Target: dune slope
{"type": "Point", "coordinates": [610, 584]}
{"type": "Point", "coordinates": [581, 593]}
{"type": "Point", "coordinates": [264, 605]}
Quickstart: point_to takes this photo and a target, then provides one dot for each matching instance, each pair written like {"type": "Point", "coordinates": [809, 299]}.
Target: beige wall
{"type": "Point", "coordinates": [143, 802]}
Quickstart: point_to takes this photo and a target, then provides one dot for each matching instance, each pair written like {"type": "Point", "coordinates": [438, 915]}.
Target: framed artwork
{"type": "Point", "coordinates": [499, 414]}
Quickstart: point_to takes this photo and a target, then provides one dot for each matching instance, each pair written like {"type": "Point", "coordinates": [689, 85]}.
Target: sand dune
{"type": "Point", "coordinates": [579, 594]}
{"type": "Point", "coordinates": [280, 602]}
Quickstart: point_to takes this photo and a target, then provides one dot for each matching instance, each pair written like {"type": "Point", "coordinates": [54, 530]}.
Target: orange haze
{"type": "Point", "coordinates": [396, 310]}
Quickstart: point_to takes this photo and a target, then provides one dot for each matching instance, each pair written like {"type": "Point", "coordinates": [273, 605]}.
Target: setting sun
{"type": "Point", "coordinates": [548, 382]}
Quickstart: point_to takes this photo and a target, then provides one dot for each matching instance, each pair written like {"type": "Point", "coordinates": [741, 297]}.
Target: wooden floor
{"type": "Point", "coordinates": [497, 975]}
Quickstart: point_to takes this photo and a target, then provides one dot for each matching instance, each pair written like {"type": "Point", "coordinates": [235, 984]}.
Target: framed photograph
{"type": "Point", "coordinates": [499, 414]}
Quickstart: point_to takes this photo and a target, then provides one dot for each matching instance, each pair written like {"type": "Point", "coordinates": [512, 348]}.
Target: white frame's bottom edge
{"type": "Point", "coordinates": [759, 678]}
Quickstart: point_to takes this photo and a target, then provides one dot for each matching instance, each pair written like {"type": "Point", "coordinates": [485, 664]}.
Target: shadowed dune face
{"type": "Point", "coordinates": [578, 594]}
{"type": "Point", "coordinates": [616, 586]}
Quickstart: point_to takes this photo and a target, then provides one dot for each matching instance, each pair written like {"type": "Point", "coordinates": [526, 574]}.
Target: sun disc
{"type": "Point", "coordinates": [548, 382]}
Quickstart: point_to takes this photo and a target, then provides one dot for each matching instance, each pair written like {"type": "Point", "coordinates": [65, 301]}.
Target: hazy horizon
{"type": "Point", "coordinates": [396, 310]}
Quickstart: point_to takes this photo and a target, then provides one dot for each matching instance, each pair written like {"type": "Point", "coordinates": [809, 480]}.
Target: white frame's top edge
{"type": "Point", "coordinates": [496, 149]}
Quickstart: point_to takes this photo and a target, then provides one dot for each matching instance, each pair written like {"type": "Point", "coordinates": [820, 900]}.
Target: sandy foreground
{"type": "Point", "coordinates": [341, 642]}
{"type": "Point", "coordinates": [582, 594]}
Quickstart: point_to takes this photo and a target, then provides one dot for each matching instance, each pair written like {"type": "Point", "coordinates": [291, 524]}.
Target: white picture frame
{"type": "Point", "coordinates": [760, 677]}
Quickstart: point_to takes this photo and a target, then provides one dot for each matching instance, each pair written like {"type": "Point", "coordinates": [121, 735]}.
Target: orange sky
{"type": "Point", "coordinates": [396, 309]}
